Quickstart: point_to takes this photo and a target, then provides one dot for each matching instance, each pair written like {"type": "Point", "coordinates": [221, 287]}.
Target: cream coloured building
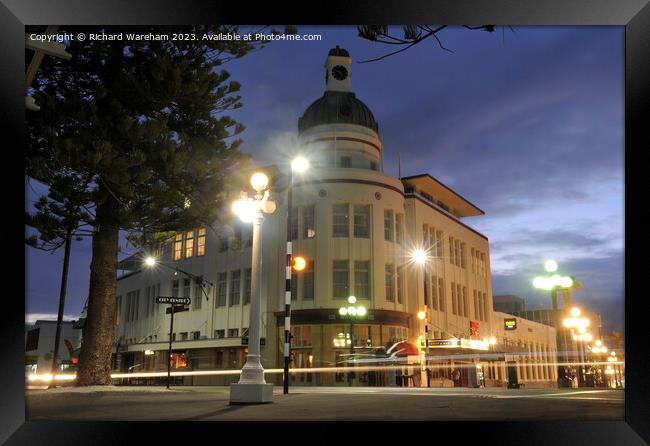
{"type": "Point", "coordinates": [357, 227]}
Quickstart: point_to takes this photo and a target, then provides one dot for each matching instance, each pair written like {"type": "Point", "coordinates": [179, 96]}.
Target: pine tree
{"type": "Point", "coordinates": [143, 120]}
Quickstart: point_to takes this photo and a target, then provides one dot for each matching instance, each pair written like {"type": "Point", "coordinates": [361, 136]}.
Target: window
{"type": "Point", "coordinates": [426, 289]}
{"type": "Point", "coordinates": [362, 279]}
{"type": "Point", "coordinates": [187, 288]}
{"type": "Point", "coordinates": [198, 297]}
{"type": "Point", "coordinates": [308, 222]}
{"type": "Point", "coordinates": [183, 336]}
{"type": "Point", "coordinates": [308, 281]}
{"type": "Point", "coordinates": [425, 236]}
{"type": "Point", "coordinates": [459, 298]}
{"type": "Point", "coordinates": [434, 293]}
{"type": "Point", "coordinates": [178, 246]}
{"type": "Point", "coordinates": [362, 221]}
{"type": "Point", "coordinates": [340, 279]}
{"type": "Point", "coordinates": [118, 310]}
{"type": "Point", "coordinates": [340, 220]}
{"type": "Point", "coordinates": [457, 252]}
{"type": "Point", "coordinates": [390, 282]}
{"type": "Point", "coordinates": [388, 226]}
{"type": "Point", "coordinates": [440, 243]}
{"type": "Point", "coordinates": [400, 285]}
{"type": "Point", "coordinates": [189, 244]}
{"type": "Point", "coordinates": [196, 335]}
{"type": "Point", "coordinates": [399, 224]}
{"type": "Point", "coordinates": [373, 165]}
{"type": "Point", "coordinates": [346, 161]}
{"type": "Point", "coordinates": [452, 258]}
{"type": "Point", "coordinates": [463, 249]}
{"type": "Point", "coordinates": [200, 242]}
{"type": "Point", "coordinates": [477, 312]}
{"type": "Point", "coordinates": [175, 288]}
{"type": "Point", "coordinates": [473, 256]}
{"type": "Point", "coordinates": [236, 238]}
{"type": "Point", "coordinates": [294, 285]}
{"type": "Point", "coordinates": [294, 223]}
{"type": "Point", "coordinates": [483, 265]}
{"type": "Point", "coordinates": [219, 334]}
{"type": "Point", "coordinates": [222, 285]}
{"type": "Point", "coordinates": [235, 290]}
{"type": "Point", "coordinates": [441, 294]}
{"type": "Point", "coordinates": [233, 332]}
{"type": "Point", "coordinates": [454, 303]}
{"type": "Point", "coordinates": [485, 313]}
{"type": "Point", "coordinates": [223, 244]}
{"type": "Point", "coordinates": [247, 286]}
{"type": "Point", "coordinates": [465, 302]}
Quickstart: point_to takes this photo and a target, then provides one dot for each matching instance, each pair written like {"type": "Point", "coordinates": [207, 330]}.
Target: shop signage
{"type": "Point", "coordinates": [510, 324]}
{"type": "Point", "coordinates": [173, 300]}
{"type": "Point", "coordinates": [443, 342]}
{"type": "Point", "coordinates": [473, 328]}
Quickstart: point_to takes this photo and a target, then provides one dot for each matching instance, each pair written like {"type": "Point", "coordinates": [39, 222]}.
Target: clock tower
{"type": "Point", "coordinates": [337, 70]}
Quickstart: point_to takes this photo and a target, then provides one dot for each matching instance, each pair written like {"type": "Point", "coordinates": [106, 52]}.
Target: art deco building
{"type": "Point", "coordinates": [357, 226]}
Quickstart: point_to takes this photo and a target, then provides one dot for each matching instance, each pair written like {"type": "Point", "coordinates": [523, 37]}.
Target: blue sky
{"type": "Point", "coordinates": [528, 125]}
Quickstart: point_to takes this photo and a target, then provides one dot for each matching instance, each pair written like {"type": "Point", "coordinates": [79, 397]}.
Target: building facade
{"type": "Point", "coordinates": [357, 227]}
{"type": "Point", "coordinates": [39, 346]}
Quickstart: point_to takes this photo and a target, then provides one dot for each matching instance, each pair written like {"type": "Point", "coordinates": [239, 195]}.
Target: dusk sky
{"type": "Point", "coordinates": [528, 125]}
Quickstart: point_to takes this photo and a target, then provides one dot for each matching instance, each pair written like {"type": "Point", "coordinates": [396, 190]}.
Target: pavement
{"type": "Point", "coordinates": [199, 403]}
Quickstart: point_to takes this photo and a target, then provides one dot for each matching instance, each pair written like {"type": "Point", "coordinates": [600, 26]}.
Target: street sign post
{"type": "Point", "coordinates": [177, 304]}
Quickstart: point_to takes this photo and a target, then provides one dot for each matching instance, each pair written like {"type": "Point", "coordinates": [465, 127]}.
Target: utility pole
{"type": "Point", "coordinates": [62, 293]}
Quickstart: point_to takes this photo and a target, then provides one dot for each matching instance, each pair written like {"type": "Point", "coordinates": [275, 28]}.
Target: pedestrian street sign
{"type": "Point", "coordinates": [173, 300]}
{"type": "Point", "coordinates": [177, 309]}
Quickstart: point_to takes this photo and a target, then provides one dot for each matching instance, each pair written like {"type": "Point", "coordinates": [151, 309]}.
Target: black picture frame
{"type": "Point", "coordinates": [634, 15]}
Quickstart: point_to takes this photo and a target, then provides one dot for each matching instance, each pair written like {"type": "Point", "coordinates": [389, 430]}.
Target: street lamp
{"type": "Point", "coordinates": [575, 322]}
{"type": "Point", "coordinates": [424, 316]}
{"type": "Point", "coordinates": [151, 262]}
{"type": "Point", "coordinates": [553, 282]}
{"type": "Point", "coordinates": [352, 313]}
{"type": "Point", "coordinates": [252, 388]}
{"type": "Point", "coordinates": [300, 165]}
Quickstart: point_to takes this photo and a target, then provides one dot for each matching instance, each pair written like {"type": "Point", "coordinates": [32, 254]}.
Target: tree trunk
{"type": "Point", "coordinates": [97, 343]}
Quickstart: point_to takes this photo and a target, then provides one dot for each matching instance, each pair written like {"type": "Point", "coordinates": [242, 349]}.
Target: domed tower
{"type": "Point", "coordinates": [339, 130]}
{"type": "Point", "coordinates": [348, 221]}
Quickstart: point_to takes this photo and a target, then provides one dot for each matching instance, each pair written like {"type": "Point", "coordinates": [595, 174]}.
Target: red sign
{"type": "Point", "coordinates": [473, 327]}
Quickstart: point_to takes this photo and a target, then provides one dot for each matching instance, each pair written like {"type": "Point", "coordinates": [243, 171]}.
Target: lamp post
{"type": "Point", "coordinates": [352, 313]}
{"type": "Point", "coordinates": [299, 165]}
{"type": "Point", "coordinates": [252, 388]}
{"type": "Point", "coordinates": [424, 315]}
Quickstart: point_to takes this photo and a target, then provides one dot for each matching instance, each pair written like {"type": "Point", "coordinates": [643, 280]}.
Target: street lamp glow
{"type": "Point", "coordinates": [299, 263]}
{"type": "Point", "coordinates": [361, 311]}
{"type": "Point", "coordinates": [352, 300]}
{"type": "Point", "coordinates": [566, 282]}
{"type": "Point", "coordinates": [550, 266]}
{"type": "Point", "coordinates": [599, 343]}
{"type": "Point", "coordinates": [419, 256]}
{"type": "Point", "coordinates": [603, 349]}
{"type": "Point", "coordinates": [150, 261]}
{"type": "Point", "coordinates": [493, 340]}
{"type": "Point", "coordinates": [541, 283]}
{"type": "Point", "coordinates": [343, 311]}
{"type": "Point", "coordinates": [613, 353]}
{"type": "Point", "coordinates": [245, 210]}
{"type": "Point", "coordinates": [575, 312]}
{"type": "Point", "coordinates": [421, 314]}
{"type": "Point", "coordinates": [587, 337]}
{"type": "Point", "coordinates": [300, 164]}
{"type": "Point", "coordinates": [259, 181]}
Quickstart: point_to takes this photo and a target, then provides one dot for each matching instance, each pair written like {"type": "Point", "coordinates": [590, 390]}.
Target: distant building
{"type": "Point", "coordinates": [509, 303]}
{"type": "Point", "coordinates": [39, 345]}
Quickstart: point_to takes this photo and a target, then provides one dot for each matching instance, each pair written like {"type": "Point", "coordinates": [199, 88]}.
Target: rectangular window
{"type": "Point", "coordinates": [463, 248]}
{"type": "Point", "coordinates": [362, 221]}
{"type": "Point", "coordinates": [175, 288]}
{"type": "Point", "coordinates": [235, 290]}
{"type": "Point", "coordinates": [200, 242]}
{"type": "Point", "coordinates": [459, 298]}
{"type": "Point", "coordinates": [183, 336]}
{"type": "Point", "coordinates": [388, 226]}
{"type": "Point", "coordinates": [346, 161]}
{"type": "Point", "coordinates": [400, 285]}
{"type": "Point", "coordinates": [477, 312]}
{"type": "Point", "coordinates": [440, 244]}
{"type": "Point", "coordinates": [219, 334]}
{"type": "Point", "coordinates": [485, 313]}
{"type": "Point", "coordinates": [341, 220]}
{"type": "Point", "coordinates": [483, 265]}
{"type": "Point", "coordinates": [223, 244]}
{"type": "Point", "coordinates": [465, 302]}
{"type": "Point", "coordinates": [233, 332]}
{"type": "Point", "coordinates": [434, 293]}
{"type": "Point", "coordinates": [198, 297]}
{"type": "Point", "coordinates": [340, 279]}
{"type": "Point", "coordinates": [189, 244]}
{"type": "Point", "coordinates": [308, 222]}
{"type": "Point", "coordinates": [454, 303]}
{"type": "Point", "coordinates": [362, 279]}
{"type": "Point", "coordinates": [373, 165]}
{"type": "Point", "coordinates": [187, 287]}
{"type": "Point", "coordinates": [247, 286]}
{"type": "Point", "coordinates": [390, 282]}
{"type": "Point", "coordinates": [457, 252]}
{"type": "Point", "coordinates": [236, 238]}
{"type": "Point", "coordinates": [473, 256]}
{"type": "Point", "coordinates": [427, 286]}
{"type": "Point", "coordinates": [196, 335]}
{"type": "Point", "coordinates": [178, 246]}
{"type": "Point", "coordinates": [308, 281]}
{"type": "Point", "coordinates": [441, 294]}
{"type": "Point", "coordinates": [222, 287]}
{"type": "Point", "coordinates": [147, 295]}
{"type": "Point", "coordinates": [399, 225]}
{"type": "Point", "coordinates": [425, 236]}
{"type": "Point", "coordinates": [294, 285]}
{"type": "Point", "coordinates": [118, 310]}
{"type": "Point", "coordinates": [452, 257]}
{"type": "Point", "coordinates": [294, 223]}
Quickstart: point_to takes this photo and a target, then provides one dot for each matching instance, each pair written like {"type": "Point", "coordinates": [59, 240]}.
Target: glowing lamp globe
{"type": "Point", "coordinates": [352, 299]}
{"type": "Point", "coordinates": [150, 261]}
{"type": "Point", "coordinates": [259, 181]}
{"type": "Point", "coordinates": [300, 164]}
{"type": "Point", "coordinates": [421, 314]}
{"type": "Point", "coordinates": [361, 311]}
{"type": "Point", "coordinates": [299, 263]}
{"type": "Point", "coordinates": [550, 266]}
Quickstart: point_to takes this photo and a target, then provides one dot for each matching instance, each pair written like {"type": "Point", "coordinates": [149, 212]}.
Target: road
{"type": "Point", "coordinates": [325, 403]}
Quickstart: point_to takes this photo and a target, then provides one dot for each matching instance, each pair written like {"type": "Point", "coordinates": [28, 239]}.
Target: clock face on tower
{"type": "Point", "coordinates": [339, 72]}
